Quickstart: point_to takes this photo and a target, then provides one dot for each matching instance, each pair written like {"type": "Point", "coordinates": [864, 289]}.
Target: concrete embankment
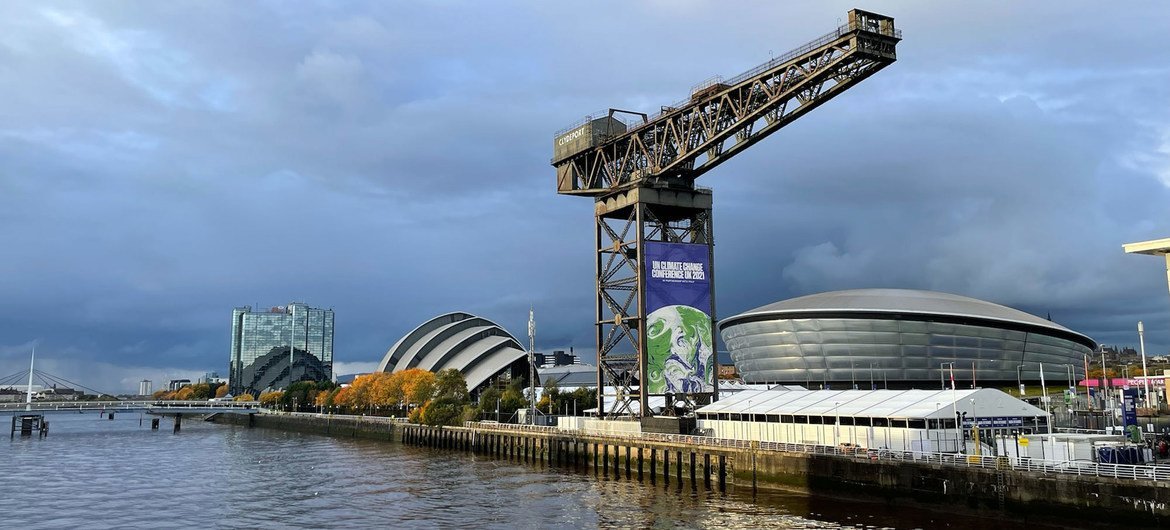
{"type": "Point", "coordinates": [373, 428]}
{"type": "Point", "coordinates": [990, 492]}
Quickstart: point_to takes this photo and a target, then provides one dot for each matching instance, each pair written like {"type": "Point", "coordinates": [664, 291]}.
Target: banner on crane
{"type": "Point", "coordinates": [680, 348]}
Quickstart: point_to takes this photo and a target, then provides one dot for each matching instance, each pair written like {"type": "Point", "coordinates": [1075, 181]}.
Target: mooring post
{"type": "Point", "coordinates": [707, 470]}
{"type": "Point", "coordinates": [666, 466]}
{"type": "Point", "coordinates": [722, 472]}
{"type": "Point", "coordinates": [640, 462]}
{"type": "Point", "coordinates": [692, 469]}
{"type": "Point", "coordinates": [653, 465]}
{"type": "Point", "coordinates": [178, 421]}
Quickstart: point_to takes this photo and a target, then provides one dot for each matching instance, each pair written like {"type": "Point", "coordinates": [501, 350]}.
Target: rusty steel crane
{"type": "Point", "coordinates": [655, 302]}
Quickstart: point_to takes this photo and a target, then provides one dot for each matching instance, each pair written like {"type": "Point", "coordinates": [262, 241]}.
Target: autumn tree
{"type": "Point", "coordinates": [221, 391]}
{"type": "Point", "coordinates": [271, 398]}
{"type": "Point", "coordinates": [184, 394]}
{"type": "Point", "coordinates": [342, 398]}
{"type": "Point", "coordinates": [418, 386]}
{"type": "Point", "coordinates": [245, 397]}
{"type": "Point", "coordinates": [200, 391]}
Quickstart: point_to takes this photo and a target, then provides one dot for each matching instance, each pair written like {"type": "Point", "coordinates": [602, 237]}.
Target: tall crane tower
{"type": "Point", "coordinates": [653, 240]}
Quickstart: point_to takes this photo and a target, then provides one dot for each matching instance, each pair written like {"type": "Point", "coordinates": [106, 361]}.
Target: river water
{"type": "Point", "coordinates": [91, 472]}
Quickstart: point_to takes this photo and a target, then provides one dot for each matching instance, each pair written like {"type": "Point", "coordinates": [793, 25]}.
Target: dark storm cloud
{"type": "Point", "coordinates": [161, 163]}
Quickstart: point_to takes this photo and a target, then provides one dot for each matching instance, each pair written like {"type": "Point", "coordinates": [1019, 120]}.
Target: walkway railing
{"type": "Point", "coordinates": [1028, 465]}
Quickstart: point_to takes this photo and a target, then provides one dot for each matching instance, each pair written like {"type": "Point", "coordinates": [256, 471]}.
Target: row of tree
{"type": "Point", "coordinates": [198, 392]}
{"type": "Point", "coordinates": [424, 397]}
{"type": "Point", "coordinates": [301, 396]}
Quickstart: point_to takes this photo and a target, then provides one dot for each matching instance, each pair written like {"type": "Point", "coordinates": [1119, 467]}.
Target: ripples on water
{"type": "Point", "coordinates": [95, 473]}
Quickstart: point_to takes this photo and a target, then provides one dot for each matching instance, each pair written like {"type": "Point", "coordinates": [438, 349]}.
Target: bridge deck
{"type": "Point", "coordinates": [149, 407]}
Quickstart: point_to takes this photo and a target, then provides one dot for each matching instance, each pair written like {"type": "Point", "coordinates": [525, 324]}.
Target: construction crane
{"type": "Point", "coordinates": [655, 302]}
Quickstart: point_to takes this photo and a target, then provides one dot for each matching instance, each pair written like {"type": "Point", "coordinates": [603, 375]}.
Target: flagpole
{"type": "Point", "coordinates": [1044, 392]}
{"type": "Point", "coordinates": [955, 407]}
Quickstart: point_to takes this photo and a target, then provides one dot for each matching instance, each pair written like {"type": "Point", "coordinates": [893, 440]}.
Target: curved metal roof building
{"type": "Point", "coordinates": [476, 346]}
{"type": "Point", "coordinates": [899, 338]}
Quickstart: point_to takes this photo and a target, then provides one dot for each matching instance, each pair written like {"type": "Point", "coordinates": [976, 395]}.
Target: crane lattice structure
{"type": "Point", "coordinates": [641, 173]}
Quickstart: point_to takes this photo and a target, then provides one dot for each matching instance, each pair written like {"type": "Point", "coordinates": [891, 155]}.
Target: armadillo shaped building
{"type": "Point", "coordinates": [476, 346]}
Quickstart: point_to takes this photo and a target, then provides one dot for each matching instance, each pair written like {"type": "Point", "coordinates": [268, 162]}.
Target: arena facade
{"type": "Point", "coordinates": [899, 339]}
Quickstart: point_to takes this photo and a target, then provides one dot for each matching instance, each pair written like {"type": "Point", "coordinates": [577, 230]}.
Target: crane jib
{"type": "Point", "coordinates": [722, 117]}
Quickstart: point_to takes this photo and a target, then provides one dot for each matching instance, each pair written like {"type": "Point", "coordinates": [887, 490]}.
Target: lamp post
{"type": "Point", "coordinates": [1145, 376]}
{"type": "Point", "coordinates": [1044, 397]}
{"type": "Point", "coordinates": [837, 423]}
{"type": "Point", "coordinates": [975, 428]}
{"type": "Point", "coordinates": [1019, 381]}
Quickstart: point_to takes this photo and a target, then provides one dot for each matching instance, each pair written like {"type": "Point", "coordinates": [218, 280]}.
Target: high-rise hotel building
{"type": "Point", "coordinates": [257, 333]}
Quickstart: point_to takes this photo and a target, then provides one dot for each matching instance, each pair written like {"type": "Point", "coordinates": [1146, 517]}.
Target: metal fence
{"type": "Point", "coordinates": [1156, 473]}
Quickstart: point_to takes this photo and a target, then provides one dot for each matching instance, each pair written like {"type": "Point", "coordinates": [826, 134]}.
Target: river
{"type": "Point", "coordinates": [92, 472]}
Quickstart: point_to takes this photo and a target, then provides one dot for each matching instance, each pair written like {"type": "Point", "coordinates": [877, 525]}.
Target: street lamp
{"type": "Point", "coordinates": [975, 427]}
{"type": "Point", "coordinates": [837, 424]}
{"type": "Point", "coordinates": [1019, 382]}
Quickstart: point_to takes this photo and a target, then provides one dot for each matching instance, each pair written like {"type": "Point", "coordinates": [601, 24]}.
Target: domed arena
{"type": "Point", "coordinates": [898, 338]}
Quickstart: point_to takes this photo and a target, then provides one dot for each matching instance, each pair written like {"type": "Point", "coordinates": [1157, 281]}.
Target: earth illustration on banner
{"type": "Point", "coordinates": [681, 353]}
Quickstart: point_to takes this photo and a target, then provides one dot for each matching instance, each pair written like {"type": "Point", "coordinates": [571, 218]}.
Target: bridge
{"type": "Point", "coordinates": [147, 406]}
{"type": "Point", "coordinates": [28, 418]}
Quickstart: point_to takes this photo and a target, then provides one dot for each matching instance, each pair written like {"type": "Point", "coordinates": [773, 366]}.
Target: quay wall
{"type": "Point", "coordinates": [989, 492]}
{"type": "Point", "coordinates": [368, 427]}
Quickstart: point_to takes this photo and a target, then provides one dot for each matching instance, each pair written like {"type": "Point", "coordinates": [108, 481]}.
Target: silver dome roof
{"type": "Point", "coordinates": [899, 301]}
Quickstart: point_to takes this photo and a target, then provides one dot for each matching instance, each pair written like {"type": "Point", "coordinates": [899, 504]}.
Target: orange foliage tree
{"type": "Point", "coordinates": [269, 399]}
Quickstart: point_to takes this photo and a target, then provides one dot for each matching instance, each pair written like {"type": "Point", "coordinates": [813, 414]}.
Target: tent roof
{"type": "Point", "coordinates": [907, 404]}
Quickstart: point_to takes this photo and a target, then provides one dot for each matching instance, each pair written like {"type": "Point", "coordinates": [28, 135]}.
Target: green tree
{"type": "Point", "coordinates": [450, 396]}
{"type": "Point", "coordinates": [487, 403]}
{"type": "Point", "coordinates": [582, 399]}
{"type": "Point", "coordinates": [550, 400]}
{"type": "Point", "coordinates": [512, 399]}
{"type": "Point", "coordinates": [301, 393]}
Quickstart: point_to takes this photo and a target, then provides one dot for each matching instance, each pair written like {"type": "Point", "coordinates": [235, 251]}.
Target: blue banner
{"type": "Point", "coordinates": [1129, 406]}
{"type": "Point", "coordinates": [679, 347]}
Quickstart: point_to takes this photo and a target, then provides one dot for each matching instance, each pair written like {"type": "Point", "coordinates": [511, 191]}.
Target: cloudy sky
{"type": "Point", "coordinates": [163, 162]}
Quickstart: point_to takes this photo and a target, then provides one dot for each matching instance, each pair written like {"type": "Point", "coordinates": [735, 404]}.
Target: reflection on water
{"type": "Point", "coordinates": [96, 473]}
